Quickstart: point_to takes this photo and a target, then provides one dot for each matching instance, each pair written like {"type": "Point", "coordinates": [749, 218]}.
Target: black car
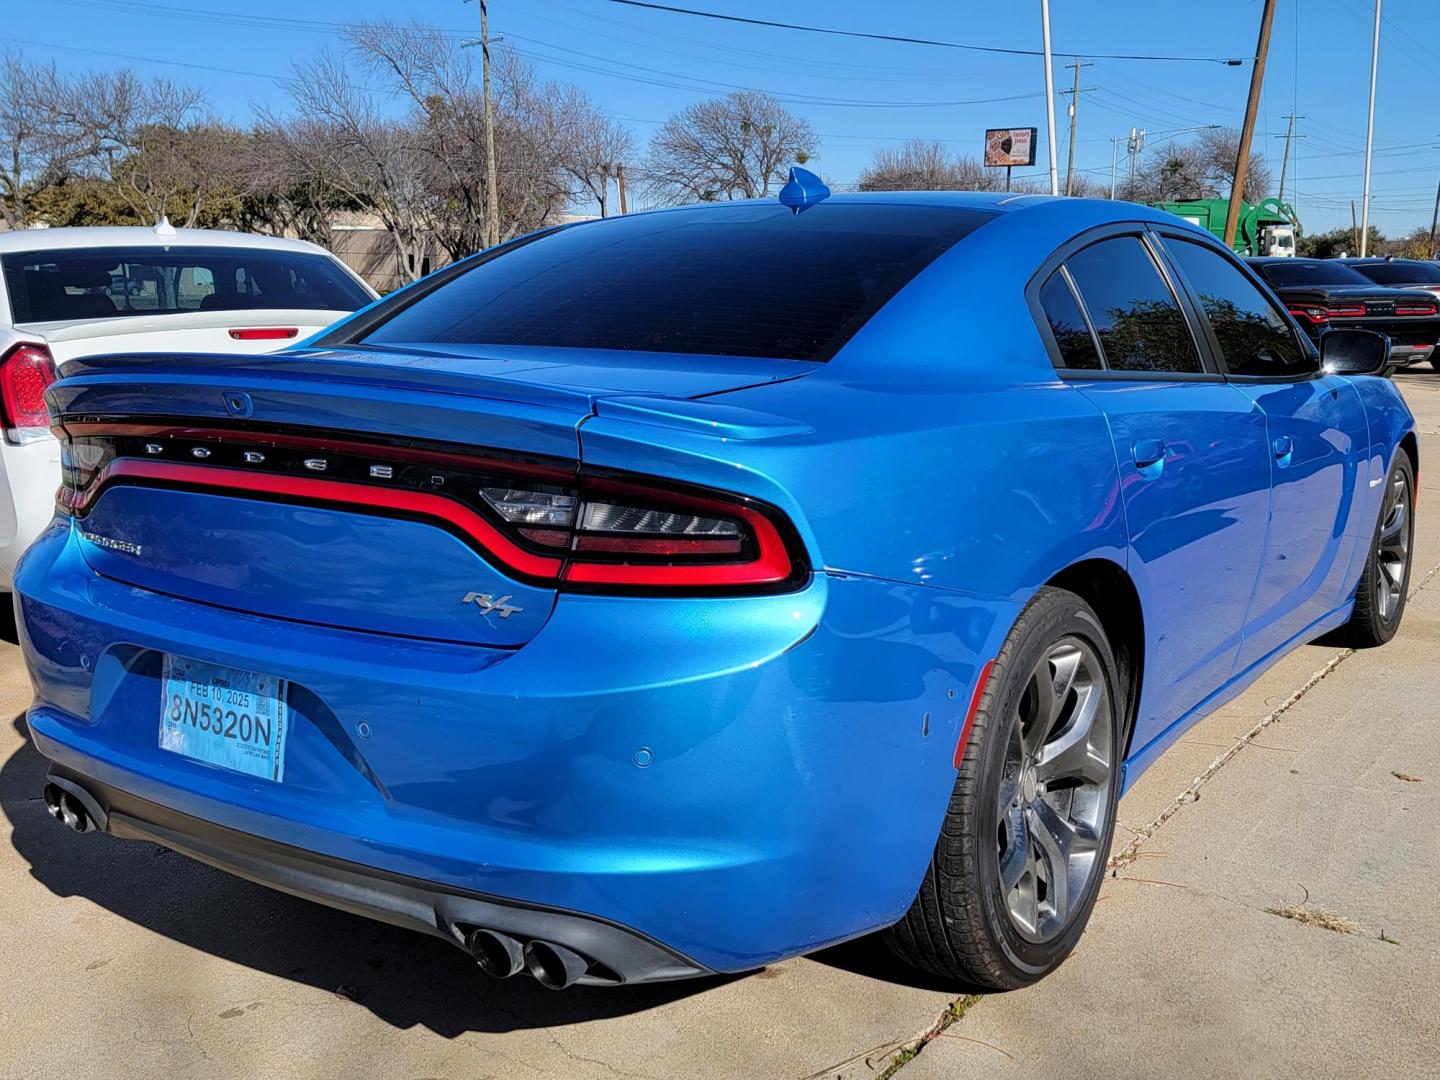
{"type": "Point", "coordinates": [1326, 294]}
{"type": "Point", "coordinates": [1399, 273]}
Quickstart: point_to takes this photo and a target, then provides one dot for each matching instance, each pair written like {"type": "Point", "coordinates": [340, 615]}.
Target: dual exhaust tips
{"type": "Point", "coordinates": [497, 954]}
{"type": "Point", "coordinates": [500, 955]}
{"type": "Point", "coordinates": [67, 809]}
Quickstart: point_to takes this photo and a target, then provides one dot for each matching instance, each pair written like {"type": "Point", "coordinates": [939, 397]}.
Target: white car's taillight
{"type": "Point", "coordinates": [25, 373]}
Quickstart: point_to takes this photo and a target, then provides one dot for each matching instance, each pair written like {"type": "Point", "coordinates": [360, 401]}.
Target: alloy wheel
{"type": "Point", "coordinates": [1393, 552]}
{"type": "Point", "coordinates": [1055, 790]}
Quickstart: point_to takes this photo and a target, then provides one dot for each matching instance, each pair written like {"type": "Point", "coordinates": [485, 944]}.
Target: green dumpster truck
{"type": "Point", "coordinates": [1267, 228]}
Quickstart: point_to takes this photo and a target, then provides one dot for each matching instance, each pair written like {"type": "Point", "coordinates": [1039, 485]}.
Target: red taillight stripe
{"type": "Point", "coordinates": [265, 333]}
{"type": "Point", "coordinates": [438, 507]}
{"type": "Point", "coordinates": [980, 684]}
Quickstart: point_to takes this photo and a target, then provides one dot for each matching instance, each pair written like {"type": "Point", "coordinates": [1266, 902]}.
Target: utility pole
{"type": "Point", "coordinates": [1074, 108]}
{"type": "Point", "coordinates": [1434, 220]}
{"type": "Point", "coordinates": [1049, 96]}
{"type": "Point", "coordinates": [1285, 161]}
{"type": "Point", "coordinates": [1133, 146]}
{"type": "Point", "coordinates": [1247, 131]}
{"type": "Point", "coordinates": [492, 196]}
{"type": "Point", "coordinates": [1114, 146]}
{"type": "Point", "coordinates": [1369, 136]}
{"type": "Point", "coordinates": [620, 183]}
{"type": "Point", "coordinates": [1354, 241]}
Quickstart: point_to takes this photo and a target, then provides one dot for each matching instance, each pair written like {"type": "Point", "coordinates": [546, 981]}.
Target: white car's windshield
{"type": "Point", "coordinates": [102, 283]}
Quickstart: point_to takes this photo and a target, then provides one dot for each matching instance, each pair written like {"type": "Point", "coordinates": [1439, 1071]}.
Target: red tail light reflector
{"type": "Point", "coordinates": [980, 683]}
{"type": "Point", "coordinates": [1316, 315]}
{"type": "Point", "coordinates": [25, 374]}
{"type": "Point", "coordinates": [1415, 307]}
{"type": "Point", "coordinates": [265, 333]}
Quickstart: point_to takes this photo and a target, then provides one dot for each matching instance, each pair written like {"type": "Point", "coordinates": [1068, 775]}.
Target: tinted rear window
{"type": "Point", "coordinates": [1303, 272]}
{"type": "Point", "coordinates": [751, 280]}
{"type": "Point", "coordinates": [1401, 273]}
{"type": "Point", "coordinates": [102, 283]}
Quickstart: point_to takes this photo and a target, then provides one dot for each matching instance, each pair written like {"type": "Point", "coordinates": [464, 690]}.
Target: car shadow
{"type": "Point", "coordinates": [404, 978]}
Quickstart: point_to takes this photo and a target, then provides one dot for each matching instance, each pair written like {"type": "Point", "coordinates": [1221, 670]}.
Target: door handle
{"type": "Point", "coordinates": [1148, 452]}
{"type": "Point", "coordinates": [1284, 446]}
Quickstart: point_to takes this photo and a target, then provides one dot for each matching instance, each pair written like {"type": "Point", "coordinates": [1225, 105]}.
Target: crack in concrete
{"type": "Point", "coordinates": [1191, 794]}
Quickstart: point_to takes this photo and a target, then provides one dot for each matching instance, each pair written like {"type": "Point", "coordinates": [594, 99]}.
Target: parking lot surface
{"type": "Point", "coordinates": [1271, 913]}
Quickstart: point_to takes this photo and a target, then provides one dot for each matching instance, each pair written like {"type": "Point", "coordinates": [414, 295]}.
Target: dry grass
{"type": "Point", "coordinates": [1310, 916]}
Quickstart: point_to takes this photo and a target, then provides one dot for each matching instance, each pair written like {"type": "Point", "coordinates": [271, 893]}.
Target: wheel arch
{"type": "Point", "coordinates": [1410, 444]}
{"type": "Point", "coordinates": [1108, 589]}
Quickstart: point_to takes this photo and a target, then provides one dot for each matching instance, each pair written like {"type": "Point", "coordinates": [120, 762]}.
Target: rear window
{"type": "Point", "coordinates": [1401, 273]}
{"type": "Point", "coordinates": [102, 283]}
{"type": "Point", "coordinates": [1302, 272]}
{"type": "Point", "coordinates": [748, 280]}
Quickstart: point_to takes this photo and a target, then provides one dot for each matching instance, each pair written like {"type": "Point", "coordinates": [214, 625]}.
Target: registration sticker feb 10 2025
{"type": "Point", "coordinates": [223, 716]}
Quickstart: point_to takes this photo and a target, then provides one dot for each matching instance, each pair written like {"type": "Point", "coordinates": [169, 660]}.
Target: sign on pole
{"type": "Point", "coordinates": [1009, 146]}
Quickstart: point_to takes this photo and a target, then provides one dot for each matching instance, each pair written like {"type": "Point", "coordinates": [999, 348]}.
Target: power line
{"type": "Point", "coordinates": [902, 40]}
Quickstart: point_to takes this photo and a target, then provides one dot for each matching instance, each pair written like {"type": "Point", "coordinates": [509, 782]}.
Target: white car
{"type": "Point", "coordinates": [66, 293]}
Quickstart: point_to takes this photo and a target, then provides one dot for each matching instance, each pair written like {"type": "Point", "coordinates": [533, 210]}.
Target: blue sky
{"type": "Point", "coordinates": [641, 66]}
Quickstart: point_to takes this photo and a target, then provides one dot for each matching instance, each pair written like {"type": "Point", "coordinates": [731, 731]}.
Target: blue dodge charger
{"type": "Point", "coordinates": [676, 593]}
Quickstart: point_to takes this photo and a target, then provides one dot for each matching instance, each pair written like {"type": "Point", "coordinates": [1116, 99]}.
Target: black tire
{"type": "Point", "coordinates": [960, 925]}
{"type": "Point", "coordinates": [1380, 597]}
{"type": "Point", "coordinates": [1435, 360]}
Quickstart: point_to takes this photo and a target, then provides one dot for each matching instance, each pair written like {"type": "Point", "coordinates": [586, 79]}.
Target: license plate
{"type": "Point", "coordinates": [222, 716]}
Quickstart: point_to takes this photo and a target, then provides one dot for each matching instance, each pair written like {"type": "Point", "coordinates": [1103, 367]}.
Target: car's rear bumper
{"type": "Point", "coordinates": [617, 955]}
{"type": "Point", "coordinates": [737, 779]}
{"type": "Point", "coordinates": [29, 475]}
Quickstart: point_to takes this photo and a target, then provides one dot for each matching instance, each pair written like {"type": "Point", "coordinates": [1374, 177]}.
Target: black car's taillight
{"type": "Point", "coordinates": [1416, 307]}
{"type": "Point", "coordinates": [542, 521]}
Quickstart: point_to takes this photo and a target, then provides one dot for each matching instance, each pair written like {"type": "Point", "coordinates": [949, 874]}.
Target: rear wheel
{"type": "Point", "coordinates": [1023, 848]}
{"type": "Point", "coordinates": [1380, 596]}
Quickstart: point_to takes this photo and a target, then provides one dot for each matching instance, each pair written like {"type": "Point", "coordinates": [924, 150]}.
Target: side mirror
{"type": "Point", "coordinates": [1354, 352]}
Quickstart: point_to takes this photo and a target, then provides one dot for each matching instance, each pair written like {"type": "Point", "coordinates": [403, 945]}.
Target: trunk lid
{"type": "Point", "coordinates": [344, 486]}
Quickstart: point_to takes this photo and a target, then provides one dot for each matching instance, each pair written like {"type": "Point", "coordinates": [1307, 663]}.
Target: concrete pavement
{"type": "Point", "coordinates": [124, 959]}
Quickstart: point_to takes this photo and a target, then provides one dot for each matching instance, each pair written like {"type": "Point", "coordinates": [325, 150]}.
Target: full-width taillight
{"type": "Point", "coordinates": [25, 373]}
{"type": "Point", "coordinates": [1316, 315]}
{"type": "Point", "coordinates": [1347, 311]}
{"type": "Point", "coordinates": [1415, 307]}
{"type": "Point", "coordinates": [545, 521]}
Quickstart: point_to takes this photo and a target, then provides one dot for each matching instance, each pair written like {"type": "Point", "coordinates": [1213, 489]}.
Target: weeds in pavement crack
{"type": "Point", "coordinates": [906, 1054]}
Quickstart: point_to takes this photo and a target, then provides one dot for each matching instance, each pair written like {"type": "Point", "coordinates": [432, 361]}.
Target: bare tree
{"type": "Point", "coordinates": [1203, 168]}
{"type": "Point", "coordinates": [597, 147]}
{"type": "Point", "coordinates": [925, 165]}
{"type": "Point", "coordinates": [538, 131]}
{"type": "Point", "coordinates": [338, 139]}
{"type": "Point", "coordinates": [41, 137]}
{"type": "Point", "coordinates": [735, 147]}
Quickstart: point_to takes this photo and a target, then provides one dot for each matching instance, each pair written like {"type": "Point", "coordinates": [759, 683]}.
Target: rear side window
{"type": "Point", "coordinates": [1067, 324]}
{"type": "Point", "coordinates": [103, 283]}
{"type": "Point", "coordinates": [1135, 315]}
{"type": "Point", "coordinates": [743, 280]}
{"type": "Point", "coordinates": [1254, 338]}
